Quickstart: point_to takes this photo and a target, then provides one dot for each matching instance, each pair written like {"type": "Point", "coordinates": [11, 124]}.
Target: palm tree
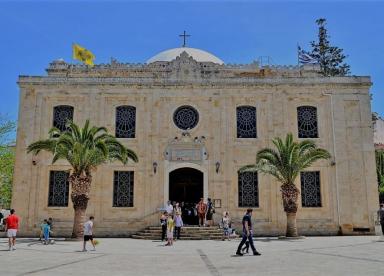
{"type": "Point", "coordinates": [285, 163]}
{"type": "Point", "coordinates": [84, 149]}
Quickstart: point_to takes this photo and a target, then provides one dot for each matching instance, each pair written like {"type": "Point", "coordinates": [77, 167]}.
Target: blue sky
{"type": "Point", "coordinates": [35, 33]}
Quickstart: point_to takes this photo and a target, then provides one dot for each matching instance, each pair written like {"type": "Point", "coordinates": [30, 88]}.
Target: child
{"type": "Point", "coordinates": [170, 229]}
{"type": "Point", "coordinates": [42, 230]}
{"type": "Point", "coordinates": [226, 222]}
{"type": "Point", "coordinates": [163, 223]}
{"type": "Point", "coordinates": [46, 229]}
{"type": "Point", "coordinates": [178, 224]}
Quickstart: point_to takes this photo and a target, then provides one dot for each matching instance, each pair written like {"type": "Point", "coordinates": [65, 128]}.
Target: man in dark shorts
{"type": "Point", "coordinates": [88, 233]}
{"type": "Point", "coordinates": [247, 234]}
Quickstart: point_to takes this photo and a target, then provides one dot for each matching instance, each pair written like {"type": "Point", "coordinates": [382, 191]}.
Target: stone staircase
{"type": "Point", "coordinates": [187, 233]}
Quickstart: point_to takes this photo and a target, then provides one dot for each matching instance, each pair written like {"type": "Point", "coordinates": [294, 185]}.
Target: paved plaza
{"type": "Point", "coordinates": [361, 255]}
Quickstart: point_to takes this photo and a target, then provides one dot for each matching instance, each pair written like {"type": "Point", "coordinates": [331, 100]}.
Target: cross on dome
{"type": "Point", "coordinates": [184, 35]}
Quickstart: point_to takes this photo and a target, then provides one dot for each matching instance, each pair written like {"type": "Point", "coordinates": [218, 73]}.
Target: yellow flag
{"type": "Point", "coordinates": [82, 54]}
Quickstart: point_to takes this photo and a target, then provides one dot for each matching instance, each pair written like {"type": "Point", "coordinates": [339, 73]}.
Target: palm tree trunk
{"type": "Point", "coordinates": [290, 195]}
{"type": "Point", "coordinates": [81, 186]}
{"type": "Point", "coordinates": [291, 225]}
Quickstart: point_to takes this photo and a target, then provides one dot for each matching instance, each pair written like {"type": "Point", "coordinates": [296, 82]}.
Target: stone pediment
{"type": "Point", "coordinates": [186, 149]}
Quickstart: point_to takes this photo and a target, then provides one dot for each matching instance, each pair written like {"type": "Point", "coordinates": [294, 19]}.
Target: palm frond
{"type": "Point", "coordinates": [84, 148]}
{"type": "Point", "coordinates": [287, 159]}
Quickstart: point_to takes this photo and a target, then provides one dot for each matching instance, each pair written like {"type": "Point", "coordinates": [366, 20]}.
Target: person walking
{"type": "Point", "coordinates": [247, 234]}
{"type": "Point", "coordinates": [12, 226]}
{"type": "Point", "coordinates": [226, 222]}
{"type": "Point", "coordinates": [170, 229]}
{"type": "Point", "coordinates": [210, 212]}
{"type": "Point", "coordinates": [163, 223]}
{"type": "Point", "coordinates": [178, 225]}
{"type": "Point", "coordinates": [201, 210]}
{"type": "Point", "coordinates": [380, 217]}
{"type": "Point", "coordinates": [88, 234]}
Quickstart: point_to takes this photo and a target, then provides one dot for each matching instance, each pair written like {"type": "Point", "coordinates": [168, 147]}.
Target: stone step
{"type": "Point", "coordinates": [182, 237]}
{"type": "Point", "coordinates": [187, 233]}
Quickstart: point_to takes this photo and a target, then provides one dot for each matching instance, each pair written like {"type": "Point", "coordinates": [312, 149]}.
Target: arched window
{"type": "Point", "coordinates": [62, 114]}
{"type": "Point", "coordinates": [248, 189]}
{"type": "Point", "coordinates": [125, 121]}
{"type": "Point", "coordinates": [246, 122]}
{"type": "Point", "coordinates": [307, 122]}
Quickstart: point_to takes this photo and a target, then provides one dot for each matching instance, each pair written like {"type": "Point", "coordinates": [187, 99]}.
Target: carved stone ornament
{"type": "Point", "coordinates": [186, 149]}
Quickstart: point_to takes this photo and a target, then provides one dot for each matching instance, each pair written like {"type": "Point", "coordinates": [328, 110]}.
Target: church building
{"type": "Point", "coordinates": [194, 121]}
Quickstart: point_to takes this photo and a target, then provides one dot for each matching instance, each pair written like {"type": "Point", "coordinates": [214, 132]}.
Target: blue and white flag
{"type": "Point", "coordinates": [304, 57]}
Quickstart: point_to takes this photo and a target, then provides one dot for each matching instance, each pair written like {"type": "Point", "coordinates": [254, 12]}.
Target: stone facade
{"type": "Point", "coordinates": [348, 183]}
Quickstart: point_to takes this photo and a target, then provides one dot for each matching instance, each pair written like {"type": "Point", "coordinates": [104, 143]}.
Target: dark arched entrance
{"type": "Point", "coordinates": [186, 185]}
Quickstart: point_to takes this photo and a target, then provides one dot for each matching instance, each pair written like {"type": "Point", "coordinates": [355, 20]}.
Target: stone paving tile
{"type": "Point", "coordinates": [309, 256]}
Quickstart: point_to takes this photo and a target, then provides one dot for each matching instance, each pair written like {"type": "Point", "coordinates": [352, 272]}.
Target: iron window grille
{"type": "Point", "coordinates": [248, 189]}
{"type": "Point", "coordinates": [310, 189]}
{"type": "Point", "coordinates": [186, 117]}
{"type": "Point", "coordinates": [62, 114]}
{"type": "Point", "coordinates": [125, 121]}
{"type": "Point", "coordinates": [246, 122]}
{"type": "Point", "coordinates": [307, 122]}
{"type": "Point", "coordinates": [123, 182]}
{"type": "Point", "coordinates": [58, 189]}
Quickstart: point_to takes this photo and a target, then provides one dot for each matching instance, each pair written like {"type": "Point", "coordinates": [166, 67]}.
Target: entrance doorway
{"type": "Point", "coordinates": [186, 185]}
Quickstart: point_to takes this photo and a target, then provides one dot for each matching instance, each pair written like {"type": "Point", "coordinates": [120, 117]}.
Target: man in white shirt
{"type": "Point", "coordinates": [169, 208]}
{"type": "Point", "coordinates": [88, 233]}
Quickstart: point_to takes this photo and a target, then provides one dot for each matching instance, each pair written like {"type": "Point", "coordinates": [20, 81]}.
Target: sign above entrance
{"type": "Point", "coordinates": [186, 149]}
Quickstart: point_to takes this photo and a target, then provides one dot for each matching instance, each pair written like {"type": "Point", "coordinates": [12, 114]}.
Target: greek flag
{"type": "Point", "coordinates": [304, 57]}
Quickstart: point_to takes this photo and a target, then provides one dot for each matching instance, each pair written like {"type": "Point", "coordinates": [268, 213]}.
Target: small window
{"type": "Point", "coordinates": [248, 189]}
{"type": "Point", "coordinates": [58, 189]}
{"type": "Point", "coordinates": [246, 122]}
{"type": "Point", "coordinates": [310, 189]}
{"type": "Point", "coordinates": [307, 122]}
{"type": "Point", "coordinates": [125, 121]}
{"type": "Point", "coordinates": [62, 114]}
{"type": "Point", "coordinates": [123, 189]}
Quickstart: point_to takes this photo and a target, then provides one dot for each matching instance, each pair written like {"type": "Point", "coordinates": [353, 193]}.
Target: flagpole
{"type": "Point", "coordinates": [297, 49]}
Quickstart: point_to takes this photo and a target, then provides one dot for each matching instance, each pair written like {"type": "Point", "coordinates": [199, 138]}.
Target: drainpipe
{"type": "Point", "coordinates": [334, 154]}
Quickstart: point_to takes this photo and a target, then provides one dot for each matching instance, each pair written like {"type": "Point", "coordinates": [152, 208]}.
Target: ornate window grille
{"type": "Point", "coordinates": [61, 115]}
{"type": "Point", "coordinates": [58, 189]}
{"type": "Point", "coordinates": [310, 189]}
{"type": "Point", "coordinates": [307, 122]}
{"type": "Point", "coordinates": [246, 122]}
{"type": "Point", "coordinates": [248, 189]}
{"type": "Point", "coordinates": [125, 121]}
{"type": "Point", "coordinates": [186, 117]}
{"type": "Point", "coordinates": [123, 189]}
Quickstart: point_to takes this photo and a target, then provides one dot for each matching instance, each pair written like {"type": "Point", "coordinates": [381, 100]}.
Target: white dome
{"type": "Point", "coordinates": [197, 54]}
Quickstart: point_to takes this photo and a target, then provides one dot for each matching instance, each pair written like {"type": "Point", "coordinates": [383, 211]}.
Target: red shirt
{"type": "Point", "coordinates": [201, 208]}
{"type": "Point", "coordinates": [12, 222]}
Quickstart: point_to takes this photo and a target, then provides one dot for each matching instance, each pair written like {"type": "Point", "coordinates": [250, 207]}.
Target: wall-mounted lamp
{"type": "Point", "coordinates": [333, 163]}
{"type": "Point", "coordinates": [217, 165]}
{"type": "Point", "coordinates": [154, 164]}
{"type": "Point", "coordinates": [34, 161]}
